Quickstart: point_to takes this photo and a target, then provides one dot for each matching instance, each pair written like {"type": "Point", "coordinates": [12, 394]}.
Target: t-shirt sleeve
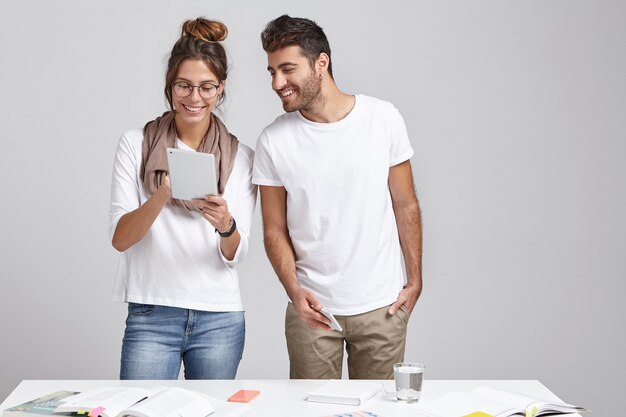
{"type": "Point", "coordinates": [400, 148]}
{"type": "Point", "coordinates": [124, 184]}
{"type": "Point", "coordinates": [242, 209]}
{"type": "Point", "coordinates": [264, 172]}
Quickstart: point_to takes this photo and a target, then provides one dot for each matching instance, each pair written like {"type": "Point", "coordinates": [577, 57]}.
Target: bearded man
{"type": "Point", "coordinates": [339, 212]}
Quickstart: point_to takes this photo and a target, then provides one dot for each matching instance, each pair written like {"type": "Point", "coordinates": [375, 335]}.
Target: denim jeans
{"type": "Point", "coordinates": [157, 338]}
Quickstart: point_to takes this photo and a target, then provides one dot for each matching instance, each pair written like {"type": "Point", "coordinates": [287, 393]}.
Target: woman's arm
{"type": "Point", "coordinates": [218, 212]}
{"type": "Point", "coordinates": [134, 225]}
{"type": "Point", "coordinates": [215, 211]}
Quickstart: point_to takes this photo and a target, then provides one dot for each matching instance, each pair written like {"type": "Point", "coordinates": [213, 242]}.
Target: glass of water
{"type": "Point", "coordinates": [408, 377]}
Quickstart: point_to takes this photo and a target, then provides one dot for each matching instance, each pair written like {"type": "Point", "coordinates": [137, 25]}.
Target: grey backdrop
{"type": "Point", "coordinates": [516, 111]}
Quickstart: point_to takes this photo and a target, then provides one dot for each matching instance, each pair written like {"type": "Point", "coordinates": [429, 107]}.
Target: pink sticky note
{"type": "Point", "coordinates": [96, 412]}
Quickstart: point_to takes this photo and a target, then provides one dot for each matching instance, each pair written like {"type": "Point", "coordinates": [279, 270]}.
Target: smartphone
{"type": "Point", "coordinates": [334, 324]}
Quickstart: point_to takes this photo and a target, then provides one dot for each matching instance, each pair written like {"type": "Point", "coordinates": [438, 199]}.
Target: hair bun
{"type": "Point", "coordinates": [204, 29]}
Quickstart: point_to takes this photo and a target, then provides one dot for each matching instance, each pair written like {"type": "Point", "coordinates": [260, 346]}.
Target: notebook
{"type": "Point", "coordinates": [344, 392]}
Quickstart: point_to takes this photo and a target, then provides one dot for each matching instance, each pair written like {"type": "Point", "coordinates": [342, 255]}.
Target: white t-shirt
{"type": "Point", "coordinates": [339, 209]}
{"type": "Point", "coordinates": [179, 262]}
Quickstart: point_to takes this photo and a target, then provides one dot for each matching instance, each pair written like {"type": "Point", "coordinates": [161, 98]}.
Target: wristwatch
{"type": "Point", "coordinates": [230, 230]}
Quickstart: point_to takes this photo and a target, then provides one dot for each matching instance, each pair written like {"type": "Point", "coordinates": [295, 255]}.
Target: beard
{"type": "Point", "coordinates": [309, 94]}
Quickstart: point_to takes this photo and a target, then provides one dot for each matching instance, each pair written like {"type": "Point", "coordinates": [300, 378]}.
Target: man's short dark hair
{"type": "Point", "coordinates": [289, 31]}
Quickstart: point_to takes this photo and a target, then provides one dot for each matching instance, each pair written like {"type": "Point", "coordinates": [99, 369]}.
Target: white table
{"type": "Point", "coordinates": [284, 397]}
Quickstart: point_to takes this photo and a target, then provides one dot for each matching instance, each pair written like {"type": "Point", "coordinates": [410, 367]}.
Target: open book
{"type": "Point", "coordinates": [494, 402]}
{"type": "Point", "coordinates": [141, 402]}
{"type": "Point", "coordinates": [39, 407]}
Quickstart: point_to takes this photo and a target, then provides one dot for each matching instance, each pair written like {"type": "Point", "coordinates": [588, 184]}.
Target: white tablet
{"type": "Point", "coordinates": [192, 174]}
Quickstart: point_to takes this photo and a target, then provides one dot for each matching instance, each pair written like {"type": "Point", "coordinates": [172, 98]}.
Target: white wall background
{"type": "Point", "coordinates": [517, 113]}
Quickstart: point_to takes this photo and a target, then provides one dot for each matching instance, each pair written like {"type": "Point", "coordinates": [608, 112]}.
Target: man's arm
{"type": "Point", "coordinates": [408, 218]}
{"type": "Point", "coordinates": [282, 256]}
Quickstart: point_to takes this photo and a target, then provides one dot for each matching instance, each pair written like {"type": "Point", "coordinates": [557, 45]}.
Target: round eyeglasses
{"type": "Point", "coordinates": [184, 89]}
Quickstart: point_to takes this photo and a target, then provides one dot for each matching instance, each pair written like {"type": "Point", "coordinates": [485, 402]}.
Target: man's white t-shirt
{"type": "Point", "coordinates": [339, 209]}
{"type": "Point", "coordinates": [178, 263]}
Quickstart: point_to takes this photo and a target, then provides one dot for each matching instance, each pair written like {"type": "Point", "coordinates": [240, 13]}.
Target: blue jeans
{"type": "Point", "coordinates": [157, 338]}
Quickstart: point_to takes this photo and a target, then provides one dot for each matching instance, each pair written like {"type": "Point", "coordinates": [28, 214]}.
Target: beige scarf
{"type": "Point", "coordinates": [160, 134]}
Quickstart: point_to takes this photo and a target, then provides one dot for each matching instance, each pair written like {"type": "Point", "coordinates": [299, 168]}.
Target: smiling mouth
{"type": "Point", "coordinates": [286, 93]}
{"type": "Point", "coordinates": [193, 109]}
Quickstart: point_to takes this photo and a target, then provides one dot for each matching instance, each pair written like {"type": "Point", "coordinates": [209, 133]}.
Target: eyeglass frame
{"type": "Point", "coordinates": [191, 88]}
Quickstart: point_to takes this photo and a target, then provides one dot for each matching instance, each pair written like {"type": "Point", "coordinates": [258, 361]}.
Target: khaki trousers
{"type": "Point", "coordinates": [374, 341]}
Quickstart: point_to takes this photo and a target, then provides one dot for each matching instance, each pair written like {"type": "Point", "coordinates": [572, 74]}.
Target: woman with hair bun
{"type": "Point", "coordinates": [177, 268]}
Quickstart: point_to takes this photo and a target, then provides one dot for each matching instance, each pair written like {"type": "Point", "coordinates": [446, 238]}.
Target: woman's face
{"type": "Point", "coordinates": [194, 92]}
